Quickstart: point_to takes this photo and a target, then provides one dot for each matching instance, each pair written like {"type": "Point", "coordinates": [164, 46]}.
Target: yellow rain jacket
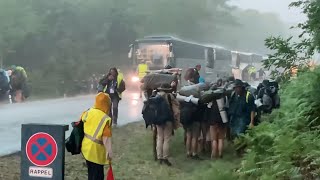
{"type": "Point", "coordinates": [120, 78]}
{"type": "Point", "coordinates": [142, 70]}
{"type": "Point", "coordinates": [97, 124]}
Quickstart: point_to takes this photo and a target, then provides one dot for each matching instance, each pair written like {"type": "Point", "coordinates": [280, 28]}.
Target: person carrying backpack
{"type": "Point", "coordinates": [265, 95]}
{"type": "Point", "coordinates": [18, 82]}
{"type": "Point", "coordinates": [241, 109]}
{"type": "Point", "coordinates": [191, 124]}
{"type": "Point", "coordinates": [274, 88]}
{"type": "Point", "coordinates": [4, 85]}
{"type": "Point", "coordinates": [192, 75]}
{"type": "Point", "coordinates": [166, 120]}
{"type": "Point", "coordinates": [96, 144]}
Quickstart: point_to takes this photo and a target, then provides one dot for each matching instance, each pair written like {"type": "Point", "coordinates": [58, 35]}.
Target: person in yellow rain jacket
{"type": "Point", "coordinates": [142, 71]}
{"type": "Point", "coordinates": [96, 144]}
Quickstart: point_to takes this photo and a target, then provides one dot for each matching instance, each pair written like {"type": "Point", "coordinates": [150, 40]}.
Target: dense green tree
{"type": "Point", "coordinates": [285, 145]}
{"type": "Point", "coordinates": [296, 52]}
{"type": "Point", "coordinates": [66, 40]}
{"type": "Point", "coordinates": [17, 22]}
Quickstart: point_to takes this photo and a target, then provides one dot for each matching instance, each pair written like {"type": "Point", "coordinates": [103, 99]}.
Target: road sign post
{"type": "Point", "coordinates": [42, 151]}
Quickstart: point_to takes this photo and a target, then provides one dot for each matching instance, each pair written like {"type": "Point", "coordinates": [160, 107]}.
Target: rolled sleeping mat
{"type": "Point", "coordinates": [193, 90]}
{"type": "Point", "coordinates": [153, 81]}
{"type": "Point", "coordinates": [192, 99]}
{"type": "Point", "coordinates": [221, 106]}
{"type": "Point", "coordinates": [210, 95]}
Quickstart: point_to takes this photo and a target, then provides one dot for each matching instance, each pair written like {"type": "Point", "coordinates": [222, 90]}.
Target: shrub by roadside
{"type": "Point", "coordinates": [286, 145]}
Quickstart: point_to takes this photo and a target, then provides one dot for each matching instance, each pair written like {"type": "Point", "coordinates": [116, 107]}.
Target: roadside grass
{"type": "Point", "coordinates": [133, 160]}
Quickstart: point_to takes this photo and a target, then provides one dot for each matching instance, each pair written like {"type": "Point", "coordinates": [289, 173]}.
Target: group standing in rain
{"type": "Point", "coordinates": [207, 122]}
{"type": "Point", "coordinates": [234, 108]}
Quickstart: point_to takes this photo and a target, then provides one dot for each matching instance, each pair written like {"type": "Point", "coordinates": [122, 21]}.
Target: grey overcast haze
{"type": "Point", "coordinates": [276, 6]}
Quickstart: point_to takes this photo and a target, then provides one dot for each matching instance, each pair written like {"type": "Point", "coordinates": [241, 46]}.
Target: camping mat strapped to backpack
{"type": "Point", "coordinates": [155, 80]}
{"type": "Point", "coordinates": [210, 95]}
{"type": "Point", "coordinates": [194, 90]}
{"type": "Point", "coordinates": [192, 99]}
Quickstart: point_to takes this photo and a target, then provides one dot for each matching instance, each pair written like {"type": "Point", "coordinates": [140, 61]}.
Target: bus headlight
{"type": "Point", "coordinates": [135, 79]}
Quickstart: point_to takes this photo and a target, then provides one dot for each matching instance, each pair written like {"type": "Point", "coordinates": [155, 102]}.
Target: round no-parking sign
{"type": "Point", "coordinates": [41, 149]}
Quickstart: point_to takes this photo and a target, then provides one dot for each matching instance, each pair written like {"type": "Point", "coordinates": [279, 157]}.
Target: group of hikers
{"type": "Point", "coordinates": [206, 123]}
{"type": "Point", "coordinates": [13, 84]}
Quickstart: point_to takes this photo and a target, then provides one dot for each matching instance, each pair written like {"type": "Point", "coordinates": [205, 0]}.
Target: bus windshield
{"type": "Point", "coordinates": [154, 54]}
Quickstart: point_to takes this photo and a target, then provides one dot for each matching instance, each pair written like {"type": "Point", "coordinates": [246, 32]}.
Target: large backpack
{"type": "Point", "coordinates": [274, 87]}
{"type": "Point", "coordinates": [187, 111]}
{"type": "Point", "coordinates": [276, 101]}
{"type": "Point", "coordinates": [74, 141]}
{"type": "Point", "coordinates": [267, 103]}
{"type": "Point", "coordinates": [157, 110]}
{"type": "Point", "coordinates": [265, 94]}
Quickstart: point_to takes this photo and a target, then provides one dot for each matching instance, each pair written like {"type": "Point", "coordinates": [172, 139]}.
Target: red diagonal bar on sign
{"type": "Point", "coordinates": [41, 149]}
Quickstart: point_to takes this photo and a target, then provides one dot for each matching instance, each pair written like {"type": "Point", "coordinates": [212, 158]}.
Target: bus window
{"type": "Point", "coordinates": [170, 50]}
{"type": "Point", "coordinates": [130, 52]}
{"type": "Point", "coordinates": [210, 57]}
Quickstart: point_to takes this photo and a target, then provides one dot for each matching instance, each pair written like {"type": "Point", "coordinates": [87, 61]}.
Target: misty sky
{"type": "Point", "coordinates": [278, 6]}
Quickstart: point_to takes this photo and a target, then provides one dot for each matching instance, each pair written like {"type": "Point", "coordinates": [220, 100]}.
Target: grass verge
{"type": "Point", "coordinates": [133, 160]}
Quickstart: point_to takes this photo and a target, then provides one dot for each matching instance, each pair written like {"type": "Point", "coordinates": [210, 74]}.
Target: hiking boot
{"type": "Point", "coordinates": [160, 161]}
{"type": "Point", "coordinates": [196, 157]}
{"type": "Point", "coordinates": [167, 162]}
{"type": "Point", "coordinates": [189, 156]}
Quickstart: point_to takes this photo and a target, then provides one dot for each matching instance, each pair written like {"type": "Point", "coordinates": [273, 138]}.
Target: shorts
{"type": "Point", "coordinates": [218, 131]}
{"type": "Point", "coordinates": [193, 129]}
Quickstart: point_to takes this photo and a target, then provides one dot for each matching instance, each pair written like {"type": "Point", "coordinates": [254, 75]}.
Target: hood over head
{"type": "Point", "coordinates": [103, 102]}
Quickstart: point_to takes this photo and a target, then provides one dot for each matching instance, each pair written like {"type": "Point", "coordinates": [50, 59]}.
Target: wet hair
{"type": "Point", "coordinates": [114, 69]}
{"type": "Point", "coordinates": [168, 67]}
{"type": "Point", "coordinates": [108, 75]}
{"type": "Point", "coordinates": [231, 78]}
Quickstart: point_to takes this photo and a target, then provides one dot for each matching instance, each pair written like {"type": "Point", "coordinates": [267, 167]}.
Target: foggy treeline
{"type": "Point", "coordinates": [65, 40]}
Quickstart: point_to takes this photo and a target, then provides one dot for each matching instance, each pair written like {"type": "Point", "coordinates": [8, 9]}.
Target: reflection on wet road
{"type": "Point", "coordinates": [58, 111]}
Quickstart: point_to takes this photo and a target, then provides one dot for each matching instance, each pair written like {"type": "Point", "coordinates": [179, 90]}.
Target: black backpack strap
{"type": "Point", "coordinates": [170, 104]}
{"type": "Point", "coordinates": [169, 100]}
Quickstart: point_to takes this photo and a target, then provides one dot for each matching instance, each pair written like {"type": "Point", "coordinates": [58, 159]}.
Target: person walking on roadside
{"type": "Point", "coordinates": [196, 75]}
{"type": "Point", "coordinates": [114, 85]}
{"type": "Point", "coordinates": [96, 145]}
{"type": "Point", "coordinates": [217, 129]}
{"type": "Point", "coordinates": [190, 119]}
{"type": "Point", "coordinates": [142, 71]}
{"type": "Point", "coordinates": [192, 75]}
{"type": "Point", "coordinates": [165, 131]}
{"type": "Point", "coordinates": [241, 109]}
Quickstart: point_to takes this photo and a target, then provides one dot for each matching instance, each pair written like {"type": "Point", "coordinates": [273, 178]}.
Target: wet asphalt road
{"type": "Point", "coordinates": [57, 111]}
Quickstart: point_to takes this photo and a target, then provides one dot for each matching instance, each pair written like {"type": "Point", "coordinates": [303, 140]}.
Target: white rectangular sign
{"type": "Point", "coordinates": [40, 172]}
